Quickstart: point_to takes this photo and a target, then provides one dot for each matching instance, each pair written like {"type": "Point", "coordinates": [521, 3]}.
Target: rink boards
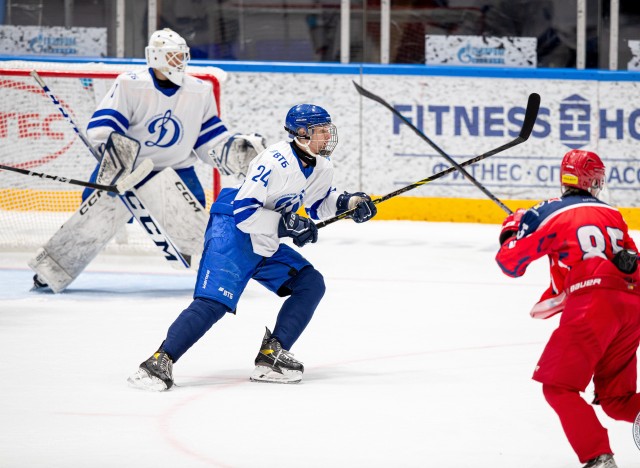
{"type": "Point", "coordinates": [465, 111]}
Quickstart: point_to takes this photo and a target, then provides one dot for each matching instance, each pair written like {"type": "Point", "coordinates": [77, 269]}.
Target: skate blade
{"type": "Point", "coordinates": [268, 375]}
{"type": "Point", "coordinates": [143, 381]}
{"type": "Point", "coordinates": [40, 289]}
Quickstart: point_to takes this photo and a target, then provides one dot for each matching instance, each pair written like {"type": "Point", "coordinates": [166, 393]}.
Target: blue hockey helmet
{"type": "Point", "coordinates": [300, 123]}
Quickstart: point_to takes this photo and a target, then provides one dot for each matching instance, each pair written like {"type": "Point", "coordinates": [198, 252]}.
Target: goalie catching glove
{"type": "Point", "coordinates": [238, 151]}
{"type": "Point", "coordinates": [365, 209]}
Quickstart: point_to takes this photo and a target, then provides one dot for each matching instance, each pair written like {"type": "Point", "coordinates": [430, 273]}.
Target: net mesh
{"type": "Point", "coordinates": [34, 135]}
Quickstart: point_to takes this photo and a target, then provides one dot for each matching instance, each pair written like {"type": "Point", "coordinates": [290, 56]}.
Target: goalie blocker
{"type": "Point", "coordinates": [166, 199]}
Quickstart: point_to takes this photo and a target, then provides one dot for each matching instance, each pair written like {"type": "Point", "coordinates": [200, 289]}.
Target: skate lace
{"type": "Point", "coordinates": [286, 356]}
{"type": "Point", "coordinates": [163, 363]}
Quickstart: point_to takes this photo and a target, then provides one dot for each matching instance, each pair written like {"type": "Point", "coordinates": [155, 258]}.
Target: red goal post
{"type": "Point", "coordinates": [35, 136]}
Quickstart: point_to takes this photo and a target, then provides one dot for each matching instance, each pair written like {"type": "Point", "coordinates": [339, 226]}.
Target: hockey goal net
{"type": "Point", "coordinates": [34, 135]}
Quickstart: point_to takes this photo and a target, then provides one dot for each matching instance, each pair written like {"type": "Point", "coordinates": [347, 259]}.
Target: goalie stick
{"type": "Point", "coordinates": [534, 100]}
{"type": "Point", "coordinates": [130, 198]}
{"type": "Point", "coordinates": [530, 115]}
{"type": "Point", "coordinates": [121, 187]}
{"type": "Point", "coordinates": [64, 113]}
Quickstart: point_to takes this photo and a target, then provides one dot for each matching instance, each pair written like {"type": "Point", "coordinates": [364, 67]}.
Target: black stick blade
{"type": "Point", "coordinates": [530, 115]}
{"type": "Point", "coordinates": [363, 91]}
{"type": "Point", "coordinates": [373, 97]}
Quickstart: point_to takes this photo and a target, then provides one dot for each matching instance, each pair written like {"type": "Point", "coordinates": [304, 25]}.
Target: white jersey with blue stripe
{"type": "Point", "coordinates": [276, 184]}
{"type": "Point", "coordinates": [168, 122]}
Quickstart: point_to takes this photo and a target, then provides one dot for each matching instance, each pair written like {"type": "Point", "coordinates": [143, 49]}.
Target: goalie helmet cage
{"type": "Point", "coordinates": [34, 135]}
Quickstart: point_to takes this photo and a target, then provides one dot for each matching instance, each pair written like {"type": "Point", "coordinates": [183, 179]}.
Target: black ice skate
{"type": "Point", "coordinates": [38, 283]}
{"type": "Point", "coordinates": [602, 461]}
{"type": "Point", "coordinates": [156, 373]}
{"type": "Point", "coordinates": [275, 364]}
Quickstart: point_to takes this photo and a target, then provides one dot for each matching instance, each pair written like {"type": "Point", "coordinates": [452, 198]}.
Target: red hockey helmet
{"type": "Point", "coordinates": [583, 170]}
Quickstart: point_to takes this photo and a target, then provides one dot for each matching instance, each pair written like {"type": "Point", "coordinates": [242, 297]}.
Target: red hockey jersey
{"type": "Point", "coordinates": [568, 230]}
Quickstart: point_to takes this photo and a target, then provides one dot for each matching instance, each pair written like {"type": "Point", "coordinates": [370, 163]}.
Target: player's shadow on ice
{"type": "Point", "coordinates": [108, 285]}
{"type": "Point", "coordinates": [115, 293]}
{"type": "Point", "coordinates": [232, 378]}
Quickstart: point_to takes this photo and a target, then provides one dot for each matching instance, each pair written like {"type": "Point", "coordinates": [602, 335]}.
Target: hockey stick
{"type": "Point", "coordinates": [534, 101]}
{"type": "Point", "coordinates": [121, 187]}
{"type": "Point", "coordinates": [64, 113]}
{"type": "Point", "coordinates": [130, 198]}
{"type": "Point", "coordinates": [527, 127]}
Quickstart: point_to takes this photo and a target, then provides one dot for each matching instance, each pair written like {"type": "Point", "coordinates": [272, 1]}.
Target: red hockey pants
{"type": "Point", "coordinates": [597, 337]}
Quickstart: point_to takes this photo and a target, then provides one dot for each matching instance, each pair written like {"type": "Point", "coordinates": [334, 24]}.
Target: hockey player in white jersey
{"type": "Point", "coordinates": [175, 118]}
{"type": "Point", "coordinates": [243, 241]}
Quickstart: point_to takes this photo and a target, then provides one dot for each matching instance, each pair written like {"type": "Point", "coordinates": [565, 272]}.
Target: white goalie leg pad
{"type": "Point", "coordinates": [175, 208]}
{"type": "Point", "coordinates": [79, 240]}
{"type": "Point", "coordinates": [90, 228]}
{"type": "Point", "coordinates": [49, 271]}
{"type": "Point", "coordinates": [267, 374]}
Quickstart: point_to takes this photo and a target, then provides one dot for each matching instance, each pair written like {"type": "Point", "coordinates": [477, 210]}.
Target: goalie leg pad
{"type": "Point", "coordinates": [176, 209]}
{"type": "Point", "coordinates": [79, 240]}
{"type": "Point", "coordinates": [49, 271]}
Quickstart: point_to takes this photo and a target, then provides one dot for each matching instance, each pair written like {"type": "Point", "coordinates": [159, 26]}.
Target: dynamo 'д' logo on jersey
{"type": "Point", "coordinates": [164, 130]}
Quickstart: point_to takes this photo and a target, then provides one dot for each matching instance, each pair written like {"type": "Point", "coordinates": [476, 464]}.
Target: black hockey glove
{"type": "Point", "coordinates": [301, 230]}
{"type": "Point", "coordinates": [365, 209]}
{"type": "Point", "coordinates": [626, 261]}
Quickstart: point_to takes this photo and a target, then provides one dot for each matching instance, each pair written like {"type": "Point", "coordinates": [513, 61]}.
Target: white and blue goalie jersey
{"type": "Point", "coordinates": [168, 122]}
{"type": "Point", "coordinates": [277, 183]}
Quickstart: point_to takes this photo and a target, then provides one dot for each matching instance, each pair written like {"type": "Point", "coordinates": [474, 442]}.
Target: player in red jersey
{"type": "Point", "coordinates": [595, 283]}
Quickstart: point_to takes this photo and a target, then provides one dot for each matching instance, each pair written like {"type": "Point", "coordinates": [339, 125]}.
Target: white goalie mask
{"type": "Point", "coordinates": [168, 53]}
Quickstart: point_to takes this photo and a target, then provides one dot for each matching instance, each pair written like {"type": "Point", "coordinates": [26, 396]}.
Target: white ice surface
{"type": "Point", "coordinates": [419, 355]}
